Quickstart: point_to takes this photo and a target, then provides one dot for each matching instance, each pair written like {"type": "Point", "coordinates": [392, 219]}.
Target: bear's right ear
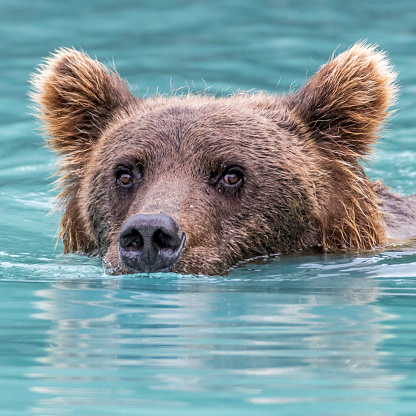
{"type": "Point", "coordinates": [77, 97]}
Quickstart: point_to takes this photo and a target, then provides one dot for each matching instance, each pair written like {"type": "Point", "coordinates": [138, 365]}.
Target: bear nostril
{"type": "Point", "coordinates": [132, 241]}
{"type": "Point", "coordinates": [163, 240]}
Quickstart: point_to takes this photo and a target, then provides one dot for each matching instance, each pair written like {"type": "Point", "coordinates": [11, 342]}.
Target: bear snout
{"type": "Point", "coordinates": [150, 243]}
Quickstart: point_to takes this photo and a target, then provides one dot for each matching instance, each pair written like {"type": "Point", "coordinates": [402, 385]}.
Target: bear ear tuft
{"type": "Point", "coordinates": [77, 97]}
{"type": "Point", "coordinates": [345, 103]}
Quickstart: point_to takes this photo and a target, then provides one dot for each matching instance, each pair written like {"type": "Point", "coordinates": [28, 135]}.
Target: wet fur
{"type": "Point", "coordinates": [305, 189]}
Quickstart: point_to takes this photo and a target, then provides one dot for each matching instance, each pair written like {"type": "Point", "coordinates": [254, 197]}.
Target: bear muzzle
{"type": "Point", "coordinates": [150, 243]}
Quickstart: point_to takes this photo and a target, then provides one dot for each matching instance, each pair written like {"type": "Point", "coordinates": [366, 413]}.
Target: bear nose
{"type": "Point", "coordinates": [150, 243]}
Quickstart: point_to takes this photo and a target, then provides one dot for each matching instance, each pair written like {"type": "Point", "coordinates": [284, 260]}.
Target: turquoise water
{"type": "Point", "coordinates": [318, 335]}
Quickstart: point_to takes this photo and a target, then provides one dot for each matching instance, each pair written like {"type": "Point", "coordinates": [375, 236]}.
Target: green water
{"type": "Point", "coordinates": [317, 335]}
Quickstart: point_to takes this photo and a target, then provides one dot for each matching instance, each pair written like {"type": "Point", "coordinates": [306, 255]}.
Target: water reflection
{"type": "Point", "coordinates": [268, 341]}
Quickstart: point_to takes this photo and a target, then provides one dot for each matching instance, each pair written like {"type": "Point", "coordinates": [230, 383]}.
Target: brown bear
{"type": "Point", "coordinates": [196, 184]}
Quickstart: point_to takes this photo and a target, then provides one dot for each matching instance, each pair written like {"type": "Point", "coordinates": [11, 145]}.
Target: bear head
{"type": "Point", "coordinates": [196, 183]}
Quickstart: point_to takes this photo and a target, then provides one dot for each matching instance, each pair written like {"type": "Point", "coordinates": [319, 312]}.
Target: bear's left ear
{"type": "Point", "coordinates": [77, 97]}
{"type": "Point", "coordinates": [346, 101]}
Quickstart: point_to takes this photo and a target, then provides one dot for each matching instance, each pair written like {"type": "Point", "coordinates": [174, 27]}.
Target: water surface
{"type": "Point", "coordinates": [316, 335]}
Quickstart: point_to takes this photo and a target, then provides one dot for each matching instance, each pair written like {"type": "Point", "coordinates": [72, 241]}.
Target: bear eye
{"type": "Point", "coordinates": [233, 177]}
{"type": "Point", "coordinates": [124, 177]}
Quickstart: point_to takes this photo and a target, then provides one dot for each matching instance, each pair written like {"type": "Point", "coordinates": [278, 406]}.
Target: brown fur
{"type": "Point", "coordinates": [304, 188]}
{"type": "Point", "coordinates": [78, 97]}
